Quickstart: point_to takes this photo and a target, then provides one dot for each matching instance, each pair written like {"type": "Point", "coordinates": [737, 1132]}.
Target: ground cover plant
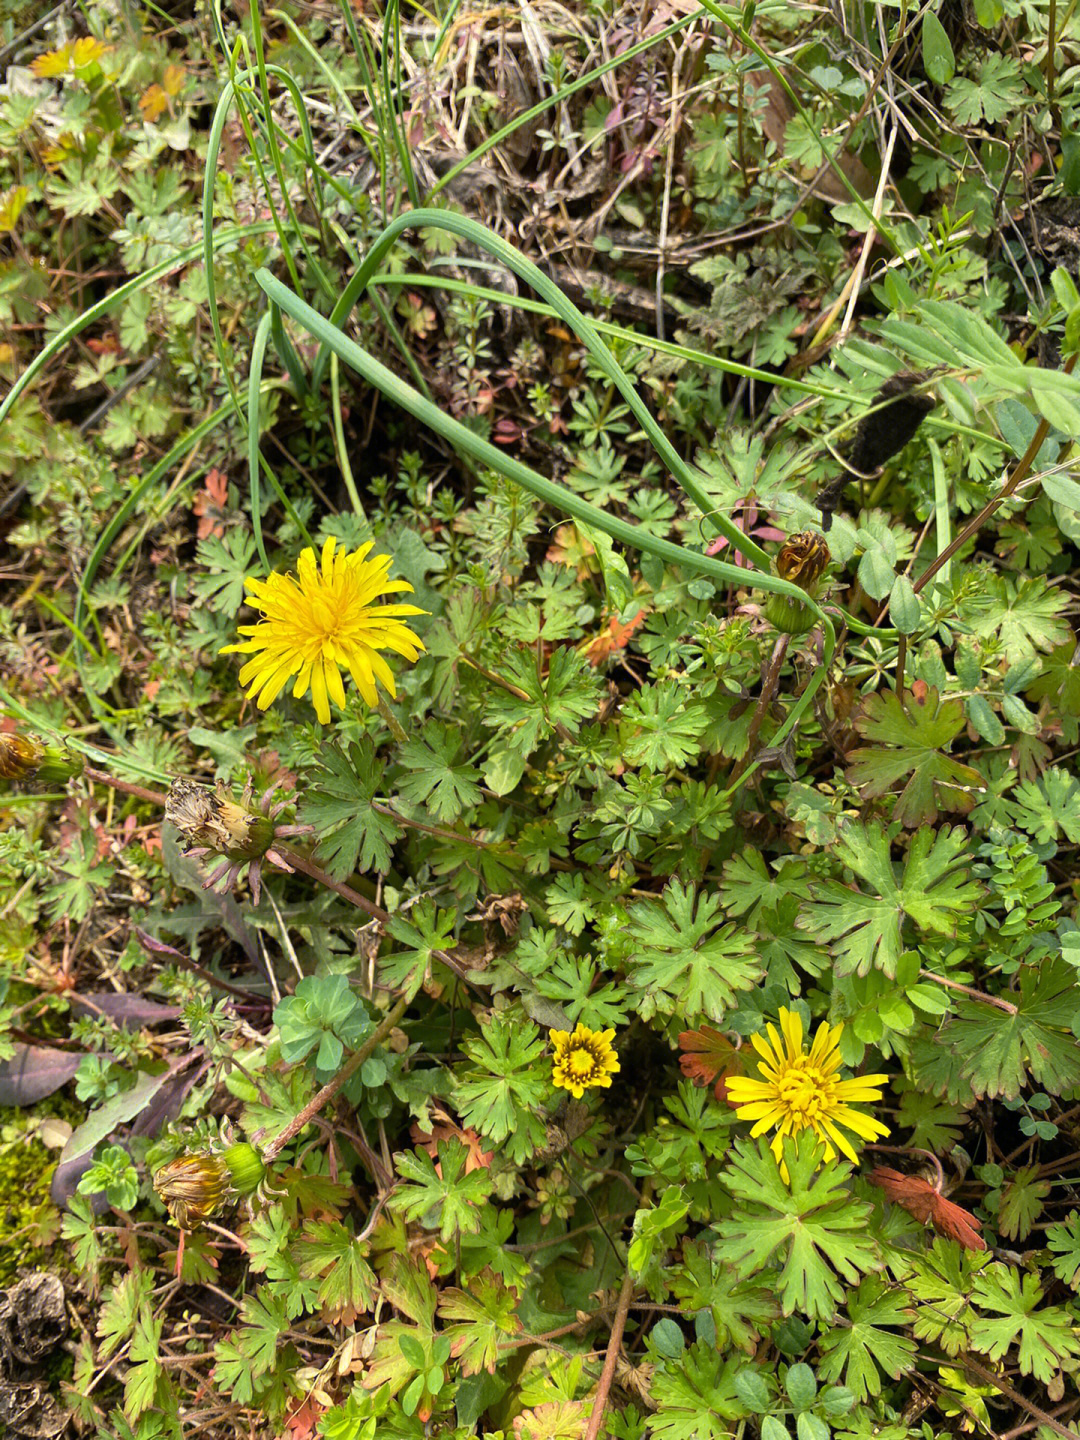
{"type": "Point", "coordinates": [538, 856]}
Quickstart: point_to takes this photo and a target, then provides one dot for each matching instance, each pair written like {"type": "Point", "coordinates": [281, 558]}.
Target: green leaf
{"type": "Point", "coordinates": [1044, 1339]}
{"type": "Point", "coordinates": [450, 1199]}
{"type": "Point", "coordinates": [1050, 806]}
{"type": "Point", "coordinates": [992, 1052]}
{"type": "Point", "coordinates": [339, 805]}
{"type": "Point", "coordinates": [661, 726]}
{"type": "Point", "coordinates": [422, 932]}
{"type": "Point", "coordinates": [564, 696]}
{"type": "Point", "coordinates": [904, 608]}
{"type": "Point", "coordinates": [434, 780]}
{"type": "Point", "coordinates": [860, 1352]}
{"type": "Point", "coordinates": [741, 1310]}
{"type": "Point", "coordinates": [934, 892]}
{"type": "Point", "coordinates": [681, 962]}
{"type": "Point", "coordinates": [938, 59]}
{"type": "Point", "coordinates": [1022, 1203]}
{"type": "Point", "coordinates": [486, 1315]}
{"type": "Point", "coordinates": [501, 1095]}
{"type": "Point", "coordinates": [328, 1251]}
{"type": "Point", "coordinates": [1063, 1242]}
{"type": "Point", "coordinates": [912, 733]}
{"type": "Point", "coordinates": [324, 1011]}
{"type": "Point", "coordinates": [941, 1285]}
{"type": "Point", "coordinates": [813, 1227]}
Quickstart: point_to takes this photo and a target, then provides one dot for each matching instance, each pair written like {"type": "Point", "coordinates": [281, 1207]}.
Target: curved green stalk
{"type": "Point", "coordinates": [96, 312]}
{"type": "Point", "coordinates": [477, 234]}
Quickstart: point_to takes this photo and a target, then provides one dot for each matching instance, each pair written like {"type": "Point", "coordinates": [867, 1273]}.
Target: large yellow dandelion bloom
{"type": "Point", "coordinates": [583, 1058]}
{"type": "Point", "coordinates": [800, 1089]}
{"type": "Point", "coordinates": [322, 620]}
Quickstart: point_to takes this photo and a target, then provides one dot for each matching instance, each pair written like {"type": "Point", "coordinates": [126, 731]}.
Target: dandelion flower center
{"type": "Point", "coordinates": [324, 619]}
{"type": "Point", "coordinates": [800, 1089]}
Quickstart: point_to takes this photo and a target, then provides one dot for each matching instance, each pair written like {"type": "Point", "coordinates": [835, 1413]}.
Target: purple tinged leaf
{"type": "Point", "coordinates": [35, 1071]}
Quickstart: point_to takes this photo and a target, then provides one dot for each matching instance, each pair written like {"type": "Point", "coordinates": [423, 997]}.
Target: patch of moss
{"type": "Point", "coordinates": [29, 1223]}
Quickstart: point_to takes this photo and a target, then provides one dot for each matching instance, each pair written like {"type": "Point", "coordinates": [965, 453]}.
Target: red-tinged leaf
{"type": "Point", "coordinates": [445, 1129]}
{"type": "Point", "coordinates": [35, 1071]}
{"type": "Point", "coordinates": [211, 504]}
{"type": "Point", "coordinates": [300, 1425]}
{"type": "Point", "coordinates": [615, 637]}
{"type": "Point", "coordinates": [919, 1198]}
{"type": "Point", "coordinates": [707, 1053]}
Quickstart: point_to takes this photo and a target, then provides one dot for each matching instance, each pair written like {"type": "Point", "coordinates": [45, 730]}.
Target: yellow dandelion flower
{"type": "Point", "coordinates": [583, 1058]}
{"type": "Point", "coordinates": [323, 620]}
{"type": "Point", "coordinates": [801, 1090]}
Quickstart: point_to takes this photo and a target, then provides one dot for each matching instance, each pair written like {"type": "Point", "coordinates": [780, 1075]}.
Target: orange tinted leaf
{"type": "Point", "coordinates": [707, 1053]}
{"type": "Point", "coordinates": [172, 82]}
{"type": "Point", "coordinates": [921, 1199]}
{"type": "Point", "coordinates": [615, 637]}
{"type": "Point", "coordinates": [153, 103]}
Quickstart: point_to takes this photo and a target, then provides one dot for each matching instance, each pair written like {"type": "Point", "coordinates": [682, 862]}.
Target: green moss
{"type": "Point", "coordinates": [29, 1223]}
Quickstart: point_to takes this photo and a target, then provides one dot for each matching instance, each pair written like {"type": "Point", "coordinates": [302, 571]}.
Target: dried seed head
{"type": "Point", "coordinates": [208, 819]}
{"type": "Point", "coordinates": [24, 758]}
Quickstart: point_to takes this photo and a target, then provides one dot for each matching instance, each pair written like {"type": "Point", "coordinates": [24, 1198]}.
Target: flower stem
{"type": "Point", "coordinates": [396, 728]}
{"type": "Point", "coordinates": [983, 999]}
{"type": "Point", "coordinates": [329, 1090]}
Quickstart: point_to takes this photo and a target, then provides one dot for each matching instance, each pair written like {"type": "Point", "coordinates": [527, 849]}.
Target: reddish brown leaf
{"type": "Point", "coordinates": [921, 1199]}
{"type": "Point", "coordinates": [709, 1055]}
{"type": "Point", "coordinates": [211, 504]}
{"type": "Point", "coordinates": [444, 1128]}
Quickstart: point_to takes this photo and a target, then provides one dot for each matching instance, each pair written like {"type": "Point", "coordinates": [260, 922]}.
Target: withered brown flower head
{"type": "Point", "coordinates": [19, 757]}
{"type": "Point", "coordinates": [23, 757]}
{"type": "Point", "coordinates": [193, 1188]}
{"type": "Point", "coordinates": [209, 821]}
{"type": "Point", "coordinates": [803, 559]}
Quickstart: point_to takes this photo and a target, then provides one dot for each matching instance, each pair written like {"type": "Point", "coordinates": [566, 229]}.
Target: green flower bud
{"type": "Point", "coordinates": [246, 1168]}
{"type": "Point", "coordinates": [790, 617]}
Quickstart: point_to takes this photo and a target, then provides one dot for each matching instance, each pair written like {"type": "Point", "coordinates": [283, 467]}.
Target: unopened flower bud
{"type": "Point", "coordinates": [803, 561]}
{"type": "Point", "coordinates": [208, 819]}
{"type": "Point", "coordinates": [25, 758]}
{"type": "Point", "coordinates": [245, 1165]}
{"type": "Point", "coordinates": [193, 1188]}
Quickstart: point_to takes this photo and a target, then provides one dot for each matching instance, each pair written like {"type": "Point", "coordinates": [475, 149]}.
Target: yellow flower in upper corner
{"type": "Point", "coordinates": [800, 1090]}
{"type": "Point", "coordinates": [583, 1058]}
{"type": "Point", "coordinates": [321, 621]}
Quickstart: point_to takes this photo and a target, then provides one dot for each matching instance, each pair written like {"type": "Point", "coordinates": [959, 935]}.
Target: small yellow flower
{"type": "Point", "coordinates": [801, 1090]}
{"type": "Point", "coordinates": [321, 621]}
{"type": "Point", "coordinates": [584, 1058]}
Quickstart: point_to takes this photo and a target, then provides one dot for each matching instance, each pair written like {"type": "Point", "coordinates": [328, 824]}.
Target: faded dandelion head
{"type": "Point", "coordinates": [209, 821]}
{"type": "Point", "coordinates": [800, 1090]}
{"type": "Point", "coordinates": [24, 758]}
{"type": "Point", "coordinates": [194, 1186]}
{"type": "Point", "coordinates": [583, 1058]}
{"type": "Point", "coordinates": [802, 560]}
{"type": "Point", "coordinates": [326, 619]}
